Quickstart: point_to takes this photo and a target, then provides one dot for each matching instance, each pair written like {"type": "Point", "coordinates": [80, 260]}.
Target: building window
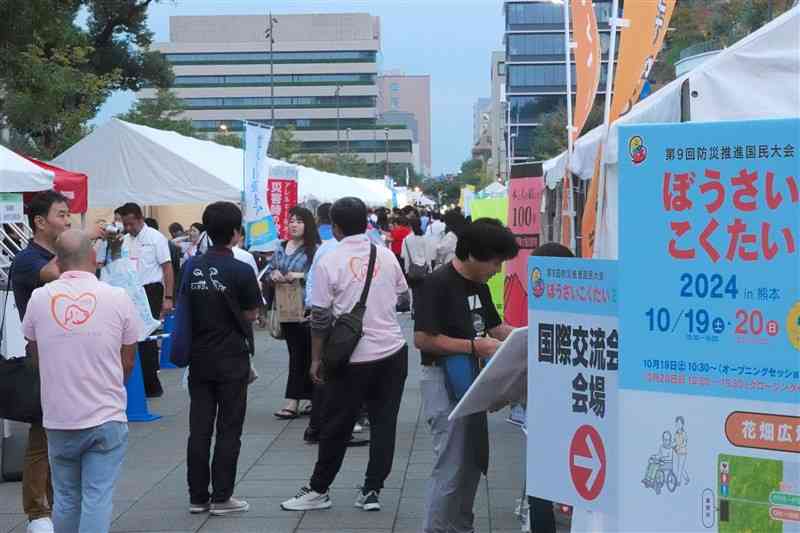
{"type": "Point", "coordinates": [501, 69]}
{"type": "Point", "coordinates": [279, 101]}
{"type": "Point", "coordinates": [370, 146]}
{"type": "Point", "coordinates": [299, 123]}
{"type": "Point", "coordinates": [395, 102]}
{"type": "Point", "coordinates": [277, 57]}
{"type": "Point", "coordinates": [542, 78]}
{"type": "Point", "coordinates": [394, 87]}
{"type": "Point", "coordinates": [547, 15]}
{"type": "Point", "coordinates": [523, 141]}
{"type": "Point", "coordinates": [522, 47]}
{"type": "Point", "coordinates": [282, 79]}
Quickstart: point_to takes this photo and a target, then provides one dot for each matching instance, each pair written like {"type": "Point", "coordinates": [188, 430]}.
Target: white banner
{"type": "Point", "coordinates": [11, 209]}
{"type": "Point", "coordinates": [258, 221]}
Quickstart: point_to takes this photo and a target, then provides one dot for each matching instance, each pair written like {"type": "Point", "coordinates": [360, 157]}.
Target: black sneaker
{"type": "Point", "coordinates": [368, 501]}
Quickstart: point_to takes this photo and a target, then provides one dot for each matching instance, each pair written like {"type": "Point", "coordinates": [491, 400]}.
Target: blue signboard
{"type": "Point", "coordinates": [709, 237]}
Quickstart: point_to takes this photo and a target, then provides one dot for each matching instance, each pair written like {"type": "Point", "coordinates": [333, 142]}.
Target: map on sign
{"type": "Point", "coordinates": [758, 495]}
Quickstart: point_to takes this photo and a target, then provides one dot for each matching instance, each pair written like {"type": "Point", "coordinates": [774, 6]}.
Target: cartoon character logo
{"type": "Point", "coordinates": [537, 283]}
{"type": "Point", "coordinates": [637, 150]}
{"type": "Point", "coordinates": [72, 312]}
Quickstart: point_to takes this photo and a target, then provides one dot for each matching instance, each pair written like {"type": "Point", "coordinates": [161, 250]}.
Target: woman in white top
{"type": "Point", "coordinates": [417, 254]}
{"type": "Point", "coordinates": [192, 246]}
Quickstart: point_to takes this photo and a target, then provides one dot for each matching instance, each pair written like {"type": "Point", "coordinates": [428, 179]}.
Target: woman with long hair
{"type": "Point", "coordinates": [290, 264]}
{"type": "Point", "coordinates": [193, 245]}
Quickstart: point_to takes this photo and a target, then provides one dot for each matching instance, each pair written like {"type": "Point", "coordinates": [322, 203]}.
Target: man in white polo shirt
{"type": "Point", "coordinates": [148, 249]}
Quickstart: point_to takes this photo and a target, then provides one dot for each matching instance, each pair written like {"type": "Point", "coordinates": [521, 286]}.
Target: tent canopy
{"type": "Point", "coordinates": [73, 185]}
{"type": "Point", "coordinates": [128, 162]}
{"type": "Point", "coordinates": [17, 174]}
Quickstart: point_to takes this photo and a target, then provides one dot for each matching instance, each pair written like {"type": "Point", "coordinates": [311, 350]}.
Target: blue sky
{"type": "Point", "coordinates": [451, 40]}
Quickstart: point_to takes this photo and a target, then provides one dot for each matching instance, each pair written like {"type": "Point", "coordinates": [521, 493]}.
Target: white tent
{"type": "Point", "coordinates": [127, 162]}
{"type": "Point", "coordinates": [494, 190]}
{"type": "Point", "coordinates": [17, 174]}
{"type": "Point", "coordinates": [756, 78]}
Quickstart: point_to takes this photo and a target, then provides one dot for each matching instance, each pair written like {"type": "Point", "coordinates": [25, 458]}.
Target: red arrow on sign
{"type": "Point", "coordinates": [587, 462]}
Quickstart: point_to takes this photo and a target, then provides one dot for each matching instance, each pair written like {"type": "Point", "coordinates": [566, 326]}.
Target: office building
{"type": "Point", "coordinates": [535, 66]}
{"type": "Point", "coordinates": [325, 80]}
{"type": "Point", "coordinates": [480, 118]}
{"type": "Point", "coordinates": [399, 92]}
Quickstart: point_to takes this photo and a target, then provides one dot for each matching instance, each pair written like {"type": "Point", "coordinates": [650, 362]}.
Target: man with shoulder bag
{"type": "Point", "coordinates": [358, 350]}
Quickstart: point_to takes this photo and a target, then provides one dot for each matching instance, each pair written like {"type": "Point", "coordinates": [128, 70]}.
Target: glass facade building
{"type": "Point", "coordinates": [536, 66]}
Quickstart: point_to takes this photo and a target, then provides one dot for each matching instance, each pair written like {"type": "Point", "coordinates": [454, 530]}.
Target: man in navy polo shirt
{"type": "Point", "coordinates": [48, 215]}
{"type": "Point", "coordinates": [219, 368]}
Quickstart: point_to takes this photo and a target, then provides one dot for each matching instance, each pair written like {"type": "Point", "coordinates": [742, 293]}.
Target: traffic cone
{"type": "Point", "coordinates": [137, 410]}
{"type": "Point", "coordinates": [166, 343]}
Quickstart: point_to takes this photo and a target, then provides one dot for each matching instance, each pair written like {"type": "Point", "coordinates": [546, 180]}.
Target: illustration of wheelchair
{"type": "Point", "coordinates": [659, 473]}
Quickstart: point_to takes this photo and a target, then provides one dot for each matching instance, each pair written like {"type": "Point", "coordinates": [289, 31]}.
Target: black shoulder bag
{"type": "Point", "coordinates": [349, 328]}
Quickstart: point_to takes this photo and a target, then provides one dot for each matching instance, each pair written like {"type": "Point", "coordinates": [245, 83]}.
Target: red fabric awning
{"type": "Point", "coordinates": [73, 185]}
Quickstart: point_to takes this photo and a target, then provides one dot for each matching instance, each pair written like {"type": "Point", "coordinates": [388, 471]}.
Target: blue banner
{"type": "Point", "coordinates": [709, 236]}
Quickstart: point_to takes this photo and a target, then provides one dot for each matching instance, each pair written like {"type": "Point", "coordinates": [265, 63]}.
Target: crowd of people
{"type": "Point", "coordinates": [346, 265]}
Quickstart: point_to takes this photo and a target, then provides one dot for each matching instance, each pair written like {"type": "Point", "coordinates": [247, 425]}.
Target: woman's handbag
{"type": "Point", "coordinates": [20, 398]}
{"type": "Point", "coordinates": [415, 272]}
{"type": "Point", "coordinates": [273, 322]}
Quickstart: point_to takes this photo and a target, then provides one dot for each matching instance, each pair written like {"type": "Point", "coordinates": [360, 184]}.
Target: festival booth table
{"type": "Point", "coordinates": [626, 420]}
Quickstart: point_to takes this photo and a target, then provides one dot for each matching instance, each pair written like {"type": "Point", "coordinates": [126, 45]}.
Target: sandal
{"type": "Point", "coordinates": [306, 411]}
{"type": "Point", "coordinates": [286, 414]}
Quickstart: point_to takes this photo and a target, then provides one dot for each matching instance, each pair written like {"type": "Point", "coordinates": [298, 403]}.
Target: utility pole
{"type": "Point", "coordinates": [337, 93]}
{"type": "Point", "coordinates": [348, 140]}
{"type": "Point", "coordinates": [270, 34]}
{"type": "Point", "coordinates": [386, 144]}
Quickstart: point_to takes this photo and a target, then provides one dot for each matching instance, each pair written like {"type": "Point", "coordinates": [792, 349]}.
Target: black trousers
{"type": "Point", "coordinates": [380, 386]}
{"type": "Point", "coordinates": [148, 351]}
{"type": "Point", "coordinates": [543, 517]}
{"type": "Point", "coordinates": [298, 339]}
{"type": "Point", "coordinates": [223, 402]}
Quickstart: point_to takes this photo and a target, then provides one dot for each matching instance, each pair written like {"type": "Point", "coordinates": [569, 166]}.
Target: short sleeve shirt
{"type": "Point", "coordinates": [219, 351]}
{"type": "Point", "coordinates": [79, 325]}
{"type": "Point", "coordinates": [25, 273]}
{"type": "Point", "coordinates": [451, 305]}
{"type": "Point", "coordinates": [148, 251]}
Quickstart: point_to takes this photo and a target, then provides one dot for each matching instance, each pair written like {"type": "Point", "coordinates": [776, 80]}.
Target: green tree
{"type": "Point", "coordinates": [473, 172]}
{"type": "Point", "coordinates": [52, 98]}
{"type": "Point", "coordinates": [228, 139]}
{"type": "Point", "coordinates": [56, 73]}
{"type": "Point", "coordinates": [283, 144]}
{"type": "Point", "coordinates": [551, 137]}
{"type": "Point", "coordinates": [161, 112]}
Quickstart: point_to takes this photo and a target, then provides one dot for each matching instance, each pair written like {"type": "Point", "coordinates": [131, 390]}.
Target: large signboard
{"type": "Point", "coordinates": [709, 277]}
{"type": "Point", "coordinates": [11, 208]}
{"type": "Point", "coordinates": [524, 220]}
{"type": "Point", "coordinates": [259, 223]}
{"type": "Point", "coordinates": [573, 362]}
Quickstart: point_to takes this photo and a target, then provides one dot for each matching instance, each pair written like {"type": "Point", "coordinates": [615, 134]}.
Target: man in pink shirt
{"type": "Point", "coordinates": [84, 334]}
{"type": "Point", "coordinates": [378, 367]}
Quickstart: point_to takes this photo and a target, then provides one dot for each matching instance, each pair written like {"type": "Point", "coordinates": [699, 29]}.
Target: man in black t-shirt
{"type": "Point", "coordinates": [455, 316]}
{"type": "Point", "coordinates": [220, 364]}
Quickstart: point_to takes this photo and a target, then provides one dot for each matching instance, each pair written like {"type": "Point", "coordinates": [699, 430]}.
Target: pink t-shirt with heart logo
{"type": "Point", "coordinates": [79, 325]}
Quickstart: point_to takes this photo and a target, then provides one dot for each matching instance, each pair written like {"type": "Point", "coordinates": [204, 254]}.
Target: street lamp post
{"type": "Point", "coordinates": [386, 144]}
{"type": "Point", "coordinates": [270, 34]}
{"type": "Point", "coordinates": [349, 130]}
{"type": "Point", "coordinates": [337, 93]}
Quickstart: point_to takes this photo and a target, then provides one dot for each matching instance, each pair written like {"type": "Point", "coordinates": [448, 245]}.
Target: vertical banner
{"type": "Point", "coordinates": [282, 195]}
{"type": "Point", "coordinates": [640, 43]}
{"type": "Point", "coordinates": [493, 208]}
{"type": "Point", "coordinates": [573, 362]}
{"type": "Point", "coordinates": [389, 182]}
{"type": "Point", "coordinates": [710, 310]}
{"type": "Point", "coordinates": [587, 61]}
{"type": "Point", "coordinates": [589, 220]}
{"type": "Point", "coordinates": [524, 220]}
{"type": "Point", "coordinates": [259, 224]}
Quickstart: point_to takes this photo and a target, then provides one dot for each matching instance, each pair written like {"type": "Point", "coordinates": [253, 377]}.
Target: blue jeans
{"type": "Point", "coordinates": [85, 464]}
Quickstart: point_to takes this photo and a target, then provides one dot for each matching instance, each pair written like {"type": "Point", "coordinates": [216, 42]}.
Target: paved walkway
{"type": "Point", "coordinates": [151, 494]}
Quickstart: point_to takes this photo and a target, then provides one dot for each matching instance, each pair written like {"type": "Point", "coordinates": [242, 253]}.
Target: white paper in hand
{"type": "Point", "coordinates": [503, 381]}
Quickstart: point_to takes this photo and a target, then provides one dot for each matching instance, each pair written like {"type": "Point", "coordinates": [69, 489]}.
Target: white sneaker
{"type": "Point", "coordinates": [40, 525]}
{"type": "Point", "coordinates": [307, 500]}
{"type": "Point", "coordinates": [358, 428]}
{"type": "Point", "coordinates": [231, 506]}
{"type": "Point", "coordinates": [368, 501]}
